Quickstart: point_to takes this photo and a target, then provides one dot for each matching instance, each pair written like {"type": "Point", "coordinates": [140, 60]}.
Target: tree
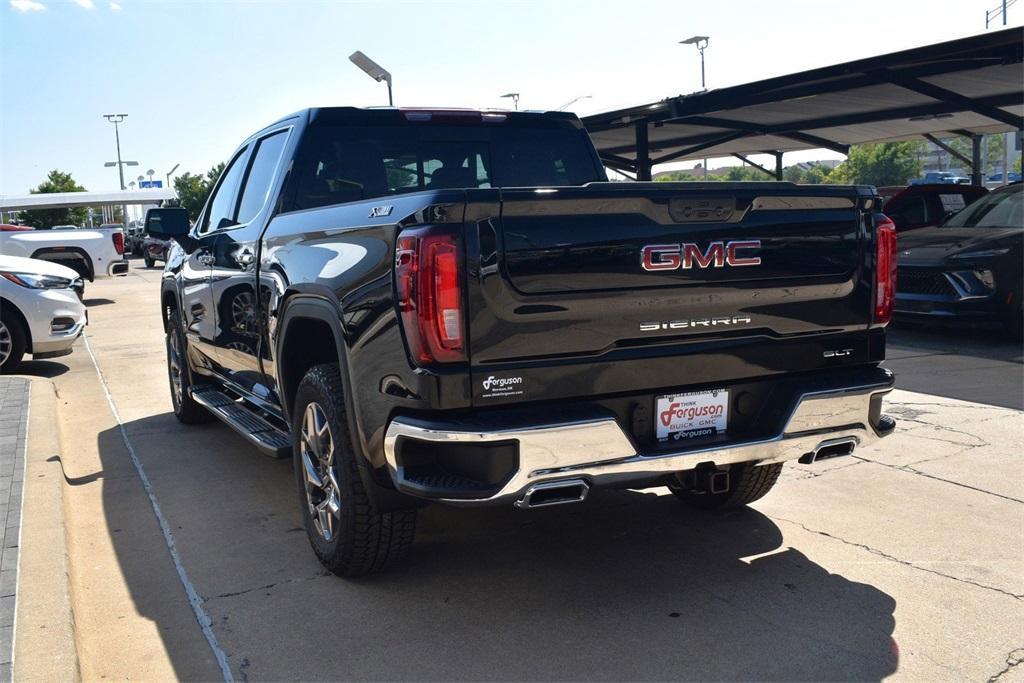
{"type": "Point", "coordinates": [56, 181]}
{"type": "Point", "coordinates": [887, 163]}
{"type": "Point", "coordinates": [194, 189]}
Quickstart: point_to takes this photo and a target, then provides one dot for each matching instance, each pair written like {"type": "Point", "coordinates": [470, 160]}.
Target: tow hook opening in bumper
{"type": "Point", "coordinates": [554, 493]}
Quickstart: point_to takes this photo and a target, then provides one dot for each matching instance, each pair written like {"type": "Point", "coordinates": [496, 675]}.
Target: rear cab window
{"type": "Point", "coordinates": [340, 162]}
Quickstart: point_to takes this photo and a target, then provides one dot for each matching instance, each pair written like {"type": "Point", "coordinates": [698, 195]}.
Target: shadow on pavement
{"type": "Point", "coordinates": [980, 365]}
{"type": "Point", "coordinates": [628, 586]}
{"type": "Point", "coordinates": [42, 368]}
{"type": "Point", "coordinates": [97, 302]}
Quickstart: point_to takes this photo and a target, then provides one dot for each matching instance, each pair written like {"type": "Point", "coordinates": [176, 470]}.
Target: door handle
{"type": "Point", "coordinates": [245, 257]}
{"type": "Point", "coordinates": [206, 259]}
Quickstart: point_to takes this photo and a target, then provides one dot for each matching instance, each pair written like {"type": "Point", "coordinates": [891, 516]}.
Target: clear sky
{"type": "Point", "coordinates": [195, 78]}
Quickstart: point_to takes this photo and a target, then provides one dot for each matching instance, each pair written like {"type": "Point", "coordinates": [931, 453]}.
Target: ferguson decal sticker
{"type": "Point", "coordinates": [494, 387]}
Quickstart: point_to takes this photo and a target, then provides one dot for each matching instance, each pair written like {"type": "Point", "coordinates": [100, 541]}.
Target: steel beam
{"type": "Point", "coordinates": [949, 150]}
{"type": "Point", "coordinates": [643, 152]}
{"type": "Point", "coordinates": [778, 165]}
{"type": "Point", "coordinates": [816, 141]}
{"type": "Point", "coordinates": [748, 162]}
{"type": "Point", "coordinates": [976, 176]}
{"type": "Point", "coordinates": [943, 95]}
{"type": "Point", "coordinates": [720, 140]}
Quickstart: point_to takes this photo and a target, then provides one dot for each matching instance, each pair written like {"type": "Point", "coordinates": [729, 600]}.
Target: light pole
{"type": "Point", "coordinates": [116, 119]}
{"type": "Point", "coordinates": [514, 96]}
{"type": "Point", "coordinates": [573, 101]}
{"type": "Point", "coordinates": [373, 70]}
{"type": "Point", "coordinates": [701, 42]}
{"type": "Point", "coordinates": [170, 173]}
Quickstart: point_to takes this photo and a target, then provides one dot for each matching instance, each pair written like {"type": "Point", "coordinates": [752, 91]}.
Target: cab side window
{"type": "Point", "coordinates": [261, 174]}
{"type": "Point", "coordinates": [220, 211]}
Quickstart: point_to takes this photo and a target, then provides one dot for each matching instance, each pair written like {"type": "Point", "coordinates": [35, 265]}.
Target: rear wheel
{"type": "Point", "coordinates": [185, 407]}
{"type": "Point", "coordinates": [148, 261]}
{"type": "Point", "coordinates": [12, 341]}
{"type": "Point", "coordinates": [348, 534]}
{"type": "Point", "coordinates": [747, 483]}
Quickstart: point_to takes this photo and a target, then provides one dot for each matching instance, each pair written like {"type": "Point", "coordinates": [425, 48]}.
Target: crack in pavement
{"type": "Point", "coordinates": [910, 470]}
{"type": "Point", "coordinates": [268, 586]}
{"type": "Point", "coordinates": [806, 474]}
{"type": "Point", "coordinates": [1014, 659]}
{"type": "Point", "coordinates": [945, 429]}
{"type": "Point", "coordinates": [893, 558]}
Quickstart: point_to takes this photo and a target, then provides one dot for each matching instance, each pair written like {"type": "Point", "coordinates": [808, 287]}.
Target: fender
{"type": "Point", "coordinates": [304, 306]}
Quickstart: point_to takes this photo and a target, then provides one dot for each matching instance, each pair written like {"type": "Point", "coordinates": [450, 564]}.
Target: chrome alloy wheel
{"type": "Point", "coordinates": [6, 343]}
{"type": "Point", "coordinates": [321, 479]}
{"type": "Point", "coordinates": [174, 365]}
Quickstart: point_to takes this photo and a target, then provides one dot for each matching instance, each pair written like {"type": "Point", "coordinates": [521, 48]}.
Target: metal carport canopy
{"type": "Point", "coordinates": [968, 86]}
{"type": "Point", "coordinates": [60, 200]}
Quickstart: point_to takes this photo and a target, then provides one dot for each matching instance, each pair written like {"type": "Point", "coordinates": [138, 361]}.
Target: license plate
{"type": "Point", "coordinates": [695, 415]}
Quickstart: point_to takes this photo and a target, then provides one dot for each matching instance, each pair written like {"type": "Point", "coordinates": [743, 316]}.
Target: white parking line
{"type": "Point", "coordinates": [193, 596]}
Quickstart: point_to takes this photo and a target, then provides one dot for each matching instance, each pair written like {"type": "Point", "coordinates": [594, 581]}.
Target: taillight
{"type": "Point", "coordinates": [429, 291]}
{"type": "Point", "coordinates": [118, 238]}
{"type": "Point", "coordinates": [885, 268]}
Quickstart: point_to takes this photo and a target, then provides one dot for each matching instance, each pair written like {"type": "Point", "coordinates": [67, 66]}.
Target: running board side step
{"type": "Point", "coordinates": [237, 415]}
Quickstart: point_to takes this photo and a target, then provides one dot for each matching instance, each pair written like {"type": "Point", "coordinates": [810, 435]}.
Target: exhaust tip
{"type": "Point", "coordinates": [833, 448]}
{"type": "Point", "coordinates": [554, 493]}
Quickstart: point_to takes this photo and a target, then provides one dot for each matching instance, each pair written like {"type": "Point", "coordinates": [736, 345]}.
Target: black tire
{"type": "Point", "coordinates": [13, 340]}
{"type": "Point", "coordinates": [148, 261]}
{"type": "Point", "coordinates": [747, 483]}
{"type": "Point", "coordinates": [185, 408]}
{"type": "Point", "coordinates": [360, 540]}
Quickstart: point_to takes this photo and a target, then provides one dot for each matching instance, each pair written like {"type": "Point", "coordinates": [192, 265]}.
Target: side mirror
{"type": "Point", "coordinates": [168, 222]}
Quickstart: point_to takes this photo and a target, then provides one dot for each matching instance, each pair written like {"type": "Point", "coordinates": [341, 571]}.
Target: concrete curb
{"type": "Point", "coordinates": [44, 640]}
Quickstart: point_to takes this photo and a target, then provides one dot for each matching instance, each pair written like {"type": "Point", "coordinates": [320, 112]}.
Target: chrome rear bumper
{"type": "Point", "coordinates": [598, 451]}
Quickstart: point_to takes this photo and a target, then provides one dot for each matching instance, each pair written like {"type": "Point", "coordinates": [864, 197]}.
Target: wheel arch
{"type": "Point", "coordinates": [304, 317]}
{"type": "Point", "coordinates": [8, 305]}
{"type": "Point", "coordinates": [78, 251]}
{"type": "Point", "coordinates": [314, 322]}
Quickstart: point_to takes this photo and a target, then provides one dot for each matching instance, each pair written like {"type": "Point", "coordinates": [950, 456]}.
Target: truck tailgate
{"type": "Point", "coordinates": [614, 287]}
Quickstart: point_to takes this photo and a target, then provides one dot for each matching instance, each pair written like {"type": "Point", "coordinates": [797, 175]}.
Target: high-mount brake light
{"type": "Point", "coordinates": [118, 238]}
{"type": "Point", "coordinates": [885, 268]}
{"type": "Point", "coordinates": [454, 115]}
{"type": "Point", "coordinates": [429, 293]}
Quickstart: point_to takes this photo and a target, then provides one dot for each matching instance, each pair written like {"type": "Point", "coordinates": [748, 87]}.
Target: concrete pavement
{"type": "Point", "coordinates": [906, 560]}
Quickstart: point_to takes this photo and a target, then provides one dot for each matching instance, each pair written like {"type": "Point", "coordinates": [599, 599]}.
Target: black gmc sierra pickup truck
{"type": "Point", "coordinates": [456, 306]}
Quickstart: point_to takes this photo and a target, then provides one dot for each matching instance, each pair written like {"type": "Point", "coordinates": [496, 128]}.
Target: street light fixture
{"type": "Point", "coordinates": [515, 99]}
{"type": "Point", "coordinates": [373, 70]}
{"type": "Point", "coordinates": [573, 101]}
{"type": "Point", "coordinates": [701, 42]}
{"type": "Point", "coordinates": [170, 173]}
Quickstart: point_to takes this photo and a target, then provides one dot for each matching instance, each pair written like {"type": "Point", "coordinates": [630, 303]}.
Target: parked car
{"type": "Point", "coordinates": [1014, 177]}
{"type": "Point", "coordinates": [922, 206]}
{"type": "Point", "coordinates": [969, 268]}
{"type": "Point", "coordinates": [155, 249]}
{"type": "Point", "coordinates": [41, 312]}
{"type": "Point", "coordinates": [91, 253]}
{"type": "Point", "coordinates": [7, 227]}
{"type": "Point", "coordinates": [941, 178]}
{"type": "Point", "coordinates": [65, 227]}
{"type": "Point", "coordinates": [456, 307]}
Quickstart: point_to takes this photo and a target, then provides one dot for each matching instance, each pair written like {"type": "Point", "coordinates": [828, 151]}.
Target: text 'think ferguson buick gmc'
{"type": "Point", "coordinates": [456, 306]}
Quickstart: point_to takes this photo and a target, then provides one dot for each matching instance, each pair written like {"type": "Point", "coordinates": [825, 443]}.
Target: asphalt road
{"type": "Point", "coordinates": [904, 560]}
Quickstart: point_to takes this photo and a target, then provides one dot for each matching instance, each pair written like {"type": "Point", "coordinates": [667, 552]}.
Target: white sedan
{"type": "Point", "coordinates": [41, 311]}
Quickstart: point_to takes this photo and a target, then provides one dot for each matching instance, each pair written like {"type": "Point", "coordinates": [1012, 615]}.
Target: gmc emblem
{"type": "Point", "coordinates": [687, 255]}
